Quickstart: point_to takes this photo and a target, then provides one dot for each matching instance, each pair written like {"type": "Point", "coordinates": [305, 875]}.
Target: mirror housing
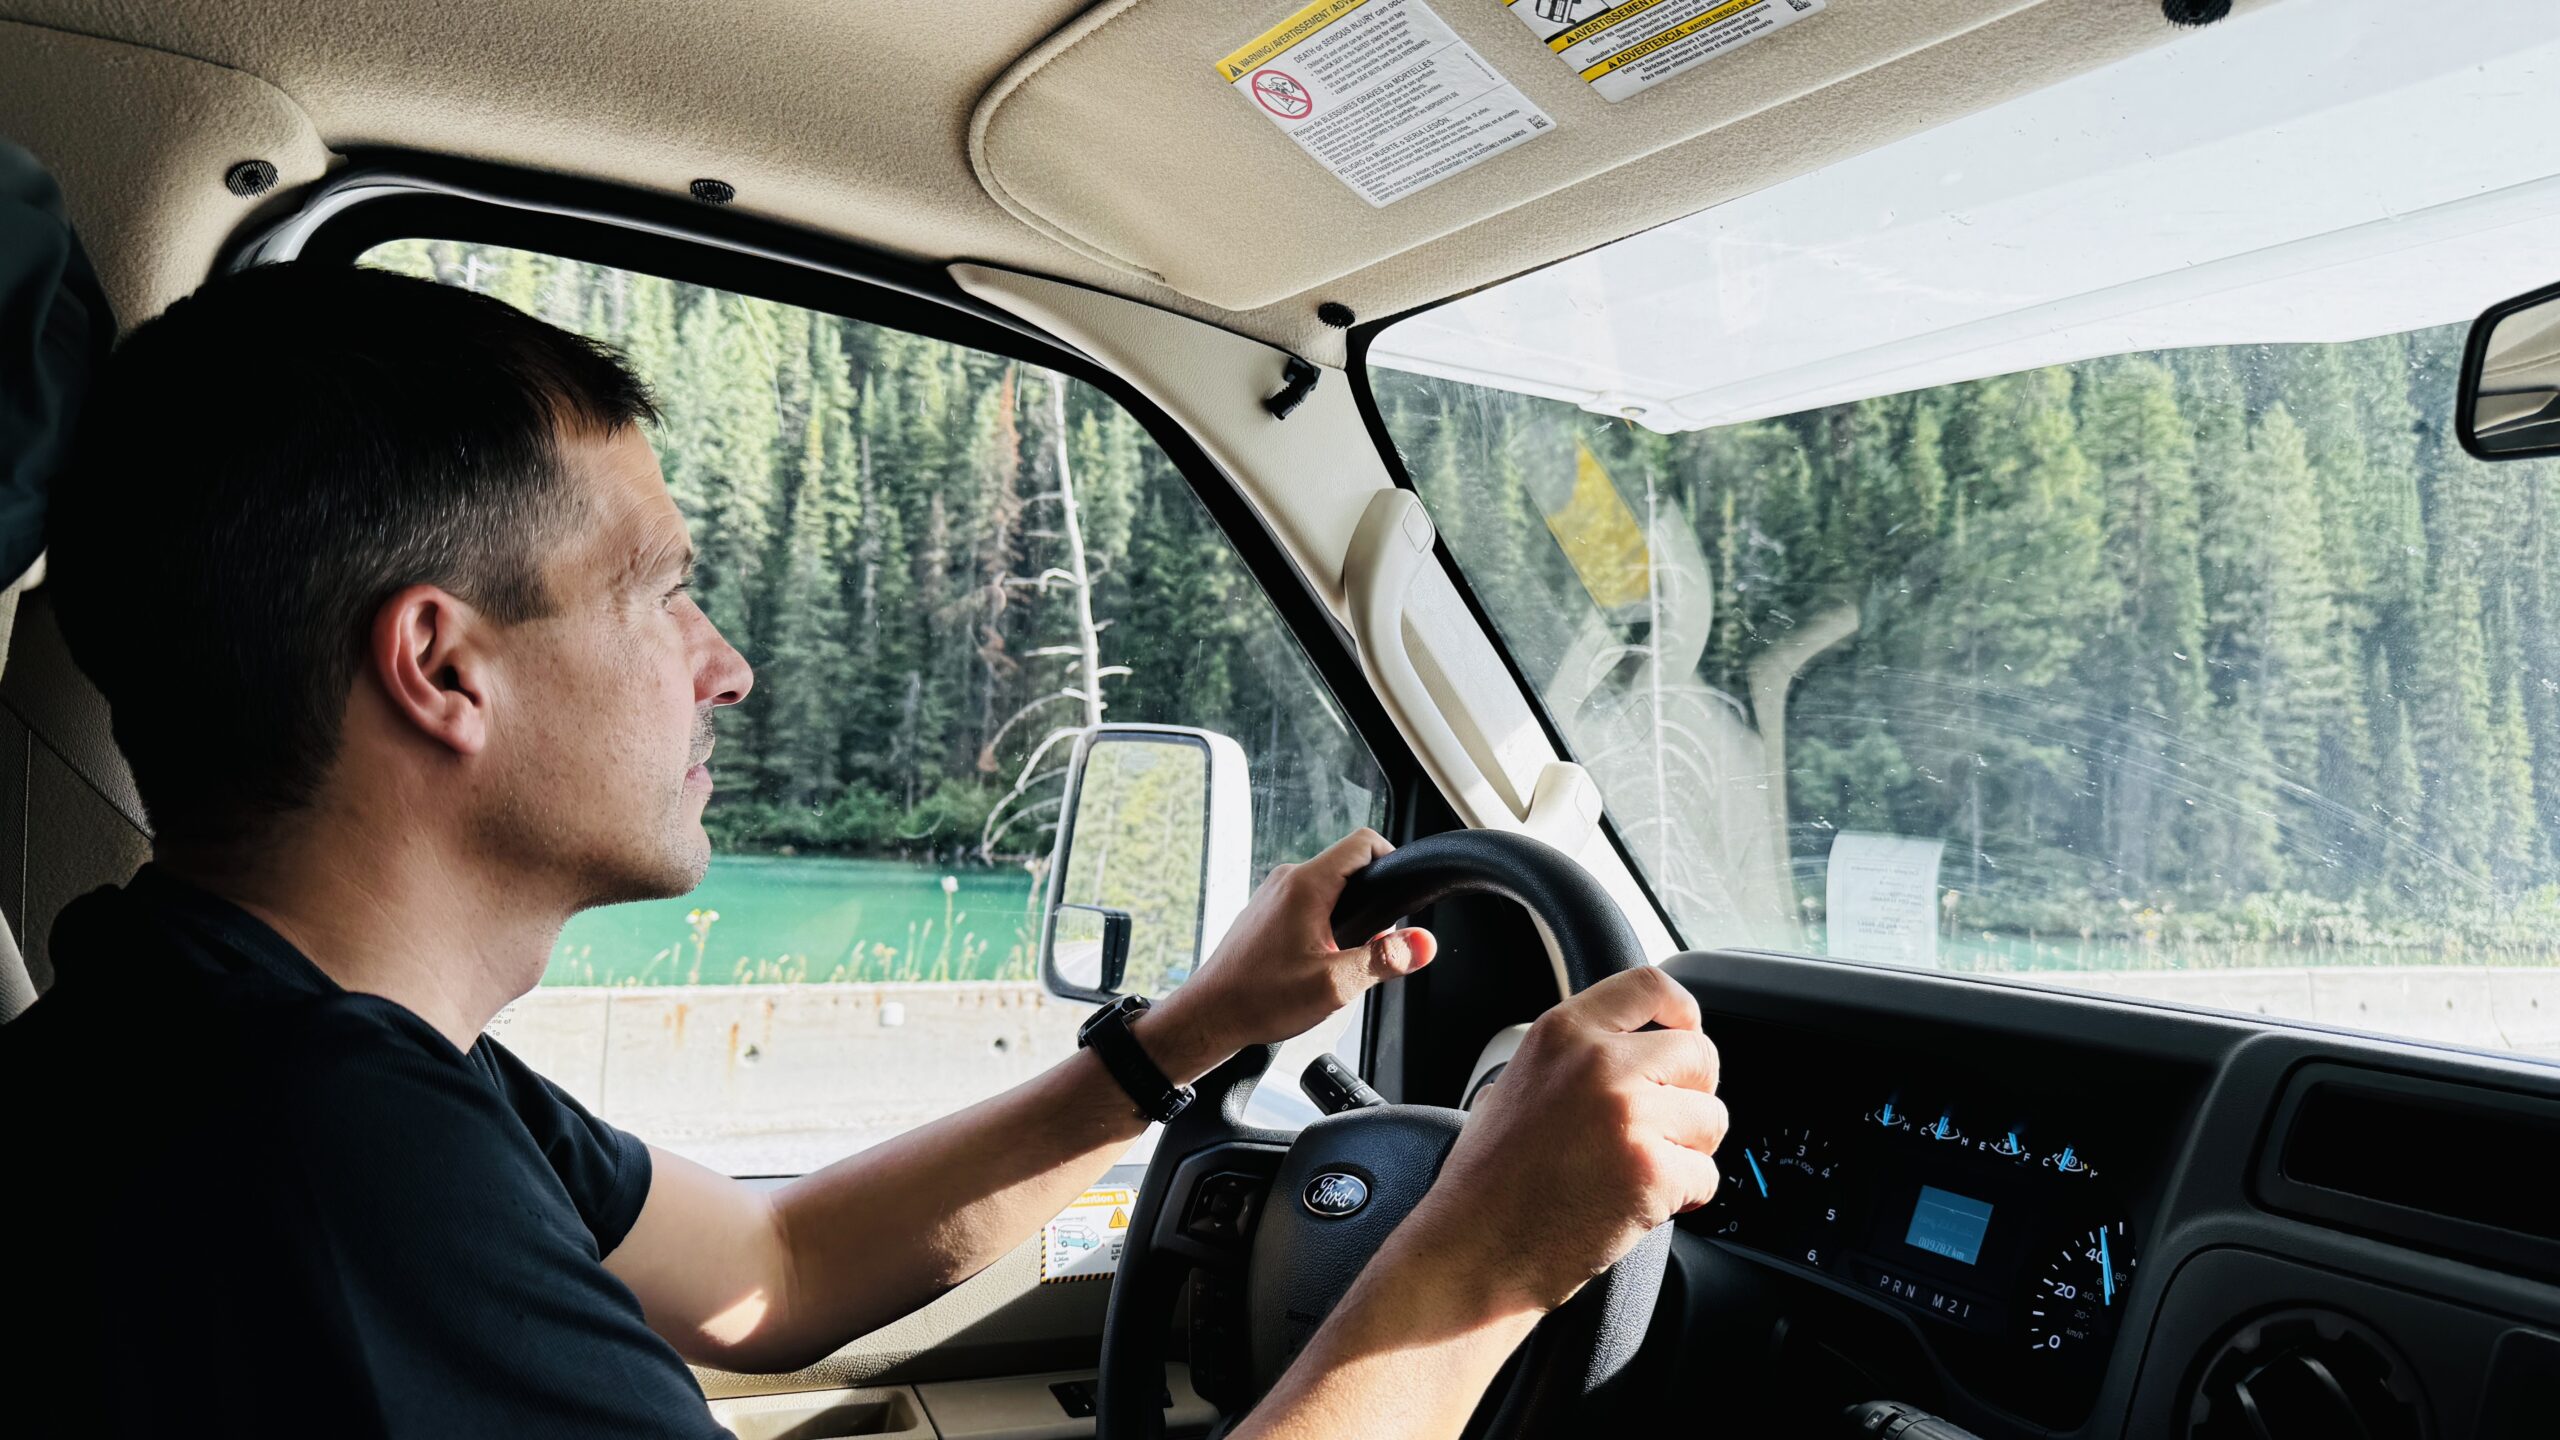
{"type": "Point", "coordinates": [1153, 860]}
{"type": "Point", "coordinates": [2508, 406]}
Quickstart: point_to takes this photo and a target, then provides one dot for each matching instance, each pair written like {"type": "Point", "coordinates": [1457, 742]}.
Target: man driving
{"type": "Point", "coordinates": [388, 597]}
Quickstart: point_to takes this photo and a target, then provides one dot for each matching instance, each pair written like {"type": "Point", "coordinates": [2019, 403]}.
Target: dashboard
{"type": "Point", "coordinates": [2032, 1214]}
{"type": "Point", "coordinates": [2006, 1214]}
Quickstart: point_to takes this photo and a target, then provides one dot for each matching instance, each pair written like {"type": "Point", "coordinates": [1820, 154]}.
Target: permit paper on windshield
{"type": "Point", "coordinates": [1881, 898]}
{"type": "Point", "coordinates": [1635, 45]}
{"type": "Point", "coordinates": [1382, 94]}
{"type": "Point", "coordinates": [1085, 1241]}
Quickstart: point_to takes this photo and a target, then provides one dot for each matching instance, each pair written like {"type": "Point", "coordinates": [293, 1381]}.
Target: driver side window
{"type": "Point", "coordinates": [912, 542]}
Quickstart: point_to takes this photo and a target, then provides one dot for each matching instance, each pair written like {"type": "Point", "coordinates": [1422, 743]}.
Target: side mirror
{"type": "Point", "coordinates": [2508, 407]}
{"type": "Point", "coordinates": [1154, 859]}
{"type": "Point", "coordinates": [1088, 949]}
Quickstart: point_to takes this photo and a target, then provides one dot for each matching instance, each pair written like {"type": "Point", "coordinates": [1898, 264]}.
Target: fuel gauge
{"type": "Point", "coordinates": [2007, 1146]}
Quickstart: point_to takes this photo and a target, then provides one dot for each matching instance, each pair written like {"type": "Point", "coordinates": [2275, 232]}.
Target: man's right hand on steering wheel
{"type": "Point", "coordinates": [1598, 1131]}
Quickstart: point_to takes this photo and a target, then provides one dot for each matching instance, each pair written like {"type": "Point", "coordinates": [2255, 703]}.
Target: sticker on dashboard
{"type": "Point", "coordinates": [1085, 1240]}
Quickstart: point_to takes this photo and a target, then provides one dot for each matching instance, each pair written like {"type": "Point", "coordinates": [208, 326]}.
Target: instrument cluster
{"type": "Point", "coordinates": [1993, 1214]}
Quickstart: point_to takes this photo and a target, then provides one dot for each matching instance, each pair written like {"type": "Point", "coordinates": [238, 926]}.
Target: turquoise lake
{"type": "Point", "coordinates": [814, 918]}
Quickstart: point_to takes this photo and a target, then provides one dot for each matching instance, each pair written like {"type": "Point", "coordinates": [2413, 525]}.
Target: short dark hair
{"type": "Point", "coordinates": [264, 465]}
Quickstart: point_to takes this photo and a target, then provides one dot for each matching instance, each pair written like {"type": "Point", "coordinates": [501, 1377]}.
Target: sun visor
{"type": "Point", "coordinates": [1246, 153]}
{"type": "Point", "coordinates": [2303, 173]}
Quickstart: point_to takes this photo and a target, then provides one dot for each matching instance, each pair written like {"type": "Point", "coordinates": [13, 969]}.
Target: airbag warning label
{"type": "Point", "coordinates": [1085, 1241]}
{"type": "Point", "coordinates": [1383, 94]}
{"type": "Point", "coordinates": [1634, 45]}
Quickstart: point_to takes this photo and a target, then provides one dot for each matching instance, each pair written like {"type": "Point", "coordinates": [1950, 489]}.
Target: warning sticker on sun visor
{"type": "Point", "coordinates": [1084, 1242]}
{"type": "Point", "coordinates": [1634, 45]}
{"type": "Point", "coordinates": [1382, 94]}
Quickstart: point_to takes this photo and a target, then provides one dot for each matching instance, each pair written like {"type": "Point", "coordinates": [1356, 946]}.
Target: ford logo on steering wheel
{"type": "Point", "coordinates": [1336, 1194]}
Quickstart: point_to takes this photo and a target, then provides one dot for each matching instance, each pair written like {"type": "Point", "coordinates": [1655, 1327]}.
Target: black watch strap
{"type": "Point", "coordinates": [1107, 1034]}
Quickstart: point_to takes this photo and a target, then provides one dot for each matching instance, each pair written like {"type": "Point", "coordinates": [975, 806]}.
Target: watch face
{"type": "Point", "coordinates": [1106, 1033]}
{"type": "Point", "coordinates": [1124, 1009]}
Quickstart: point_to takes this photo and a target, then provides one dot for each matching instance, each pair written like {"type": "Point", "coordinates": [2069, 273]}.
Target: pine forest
{"type": "Point", "coordinates": [2217, 648]}
{"type": "Point", "coordinates": [2208, 646]}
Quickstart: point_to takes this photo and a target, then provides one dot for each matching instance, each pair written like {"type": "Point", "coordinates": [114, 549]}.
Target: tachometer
{"type": "Point", "coordinates": [2077, 1298]}
{"type": "Point", "coordinates": [1782, 1192]}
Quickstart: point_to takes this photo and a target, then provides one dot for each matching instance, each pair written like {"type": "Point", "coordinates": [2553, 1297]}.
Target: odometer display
{"type": "Point", "coordinates": [2078, 1296]}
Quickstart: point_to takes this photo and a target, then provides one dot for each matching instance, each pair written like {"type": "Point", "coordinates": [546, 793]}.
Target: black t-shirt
{"type": "Point", "coordinates": [241, 1199]}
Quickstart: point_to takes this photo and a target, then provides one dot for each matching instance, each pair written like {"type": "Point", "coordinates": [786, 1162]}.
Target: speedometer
{"type": "Point", "coordinates": [2079, 1295]}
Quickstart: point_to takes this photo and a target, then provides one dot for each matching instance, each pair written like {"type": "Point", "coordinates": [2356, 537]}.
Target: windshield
{"type": "Point", "coordinates": [2039, 546]}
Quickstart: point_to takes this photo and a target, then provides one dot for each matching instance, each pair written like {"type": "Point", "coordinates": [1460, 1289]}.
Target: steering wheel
{"type": "Point", "coordinates": [1270, 1236]}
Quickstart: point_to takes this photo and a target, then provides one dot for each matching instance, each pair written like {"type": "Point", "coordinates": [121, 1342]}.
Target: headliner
{"type": "Point", "coordinates": [854, 118]}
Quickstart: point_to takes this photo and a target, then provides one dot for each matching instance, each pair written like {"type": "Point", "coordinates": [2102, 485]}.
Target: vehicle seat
{"type": "Point", "coordinates": [70, 819]}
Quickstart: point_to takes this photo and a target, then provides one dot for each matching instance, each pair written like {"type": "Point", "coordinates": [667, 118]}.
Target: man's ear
{"type": "Point", "coordinates": [428, 654]}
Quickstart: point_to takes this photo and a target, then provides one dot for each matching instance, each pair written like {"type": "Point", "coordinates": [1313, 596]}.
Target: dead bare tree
{"type": "Point", "coordinates": [1077, 576]}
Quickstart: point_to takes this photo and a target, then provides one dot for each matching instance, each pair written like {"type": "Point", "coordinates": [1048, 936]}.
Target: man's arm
{"type": "Point", "coordinates": [772, 1280]}
{"type": "Point", "coordinates": [1407, 1354]}
{"type": "Point", "coordinates": [1596, 1134]}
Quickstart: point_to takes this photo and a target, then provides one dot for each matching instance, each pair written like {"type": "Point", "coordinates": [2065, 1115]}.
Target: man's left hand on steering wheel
{"type": "Point", "coordinates": [1278, 973]}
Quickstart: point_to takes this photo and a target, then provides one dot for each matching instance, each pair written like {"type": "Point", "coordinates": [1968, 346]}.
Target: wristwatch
{"type": "Point", "coordinates": [1106, 1033]}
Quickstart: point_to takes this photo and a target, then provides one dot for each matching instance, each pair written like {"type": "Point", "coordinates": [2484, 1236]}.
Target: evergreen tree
{"type": "Point", "coordinates": [2149, 655]}
{"type": "Point", "coordinates": [2021, 585]}
{"type": "Point", "coordinates": [809, 674]}
{"type": "Point", "coordinates": [2537, 632]}
{"type": "Point", "coordinates": [2513, 819]}
{"type": "Point", "coordinates": [2395, 818]}
{"type": "Point", "coordinates": [2282, 607]}
{"type": "Point", "coordinates": [2449, 728]}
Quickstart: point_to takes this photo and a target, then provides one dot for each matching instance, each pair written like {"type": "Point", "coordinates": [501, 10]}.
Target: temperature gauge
{"type": "Point", "coordinates": [2078, 1298]}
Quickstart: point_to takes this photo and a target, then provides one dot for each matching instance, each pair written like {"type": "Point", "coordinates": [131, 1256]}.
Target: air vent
{"type": "Point", "coordinates": [2305, 1374]}
{"type": "Point", "coordinates": [2469, 1199]}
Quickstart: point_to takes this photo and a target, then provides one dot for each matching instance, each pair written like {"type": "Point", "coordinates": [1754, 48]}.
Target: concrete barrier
{"type": "Point", "coordinates": [2514, 1008]}
{"type": "Point", "coordinates": [779, 1079]}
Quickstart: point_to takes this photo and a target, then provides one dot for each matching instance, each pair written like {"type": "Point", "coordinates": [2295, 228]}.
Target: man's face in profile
{"type": "Point", "coordinates": [601, 744]}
